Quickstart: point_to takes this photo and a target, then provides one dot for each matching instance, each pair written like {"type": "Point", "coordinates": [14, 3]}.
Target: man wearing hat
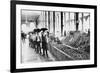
{"type": "Point", "coordinates": [44, 43]}
{"type": "Point", "coordinates": [38, 39]}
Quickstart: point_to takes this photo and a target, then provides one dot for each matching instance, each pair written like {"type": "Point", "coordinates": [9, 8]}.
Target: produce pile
{"type": "Point", "coordinates": [75, 54]}
{"type": "Point", "coordinates": [78, 40]}
{"type": "Point", "coordinates": [55, 39]}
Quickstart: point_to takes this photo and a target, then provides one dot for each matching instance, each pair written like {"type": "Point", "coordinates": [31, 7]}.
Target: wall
{"type": "Point", "coordinates": [5, 36]}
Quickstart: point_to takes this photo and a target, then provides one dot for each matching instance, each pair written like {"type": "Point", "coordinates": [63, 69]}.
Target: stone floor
{"type": "Point", "coordinates": [29, 54]}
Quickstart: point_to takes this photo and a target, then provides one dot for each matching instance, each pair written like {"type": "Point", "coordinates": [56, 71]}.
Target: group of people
{"type": "Point", "coordinates": [39, 41]}
{"type": "Point", "coordinates": [23, 36]}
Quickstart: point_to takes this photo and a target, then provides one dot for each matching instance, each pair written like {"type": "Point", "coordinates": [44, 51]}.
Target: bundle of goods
{"type": "Point", "coordinates": [54, 39]}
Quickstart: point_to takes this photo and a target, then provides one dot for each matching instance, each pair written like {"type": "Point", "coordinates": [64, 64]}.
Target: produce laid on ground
{"type": "Point", "coordinates": [75, 54]}
{"type": "Point", "coordinates": [78, 40]}
{"type": "Point", "coordinates": [75, 40]}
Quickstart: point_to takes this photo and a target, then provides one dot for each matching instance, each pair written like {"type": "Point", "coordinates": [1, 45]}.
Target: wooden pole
{"type": "Point", "coordinates": [82, 21]}
{"type": "Point", "coordinates": [77, 21]}
{"type": "Point", "coordinates": [54, 22]}
{"type": "Point", "coordinates": [69, 21]}
{"type": "Point", "coordinates": [49, 21]}
{"type": "Point", "coordinates": [61, 23]}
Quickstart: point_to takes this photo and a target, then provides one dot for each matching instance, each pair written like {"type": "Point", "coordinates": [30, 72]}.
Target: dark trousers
{"type": "Point", "coordinates": [38, 47]}
{"type": "Point", "coordinates": [35, 45]}
{"type": "Point", "coordinates": [45, 48]}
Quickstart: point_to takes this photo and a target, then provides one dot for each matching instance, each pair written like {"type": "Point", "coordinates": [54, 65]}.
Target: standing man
{"type": "Point", "coordinates": [44, 44]}
{"type": "Point", "coordinates": [38, 43]}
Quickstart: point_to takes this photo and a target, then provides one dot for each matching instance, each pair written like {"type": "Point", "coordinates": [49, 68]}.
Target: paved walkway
{"type": "Point", "coordinates": [29, 54]}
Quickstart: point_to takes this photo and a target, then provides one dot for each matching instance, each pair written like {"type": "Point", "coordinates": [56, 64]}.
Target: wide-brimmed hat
{"type": "Point", "coordinates": [37, 30]}
{"type": "Point", "coordinates": [44, 29]}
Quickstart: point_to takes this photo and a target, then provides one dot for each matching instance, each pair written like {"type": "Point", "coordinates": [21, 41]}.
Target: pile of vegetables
{"type": "Point", "coordinates": [78, 40]}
